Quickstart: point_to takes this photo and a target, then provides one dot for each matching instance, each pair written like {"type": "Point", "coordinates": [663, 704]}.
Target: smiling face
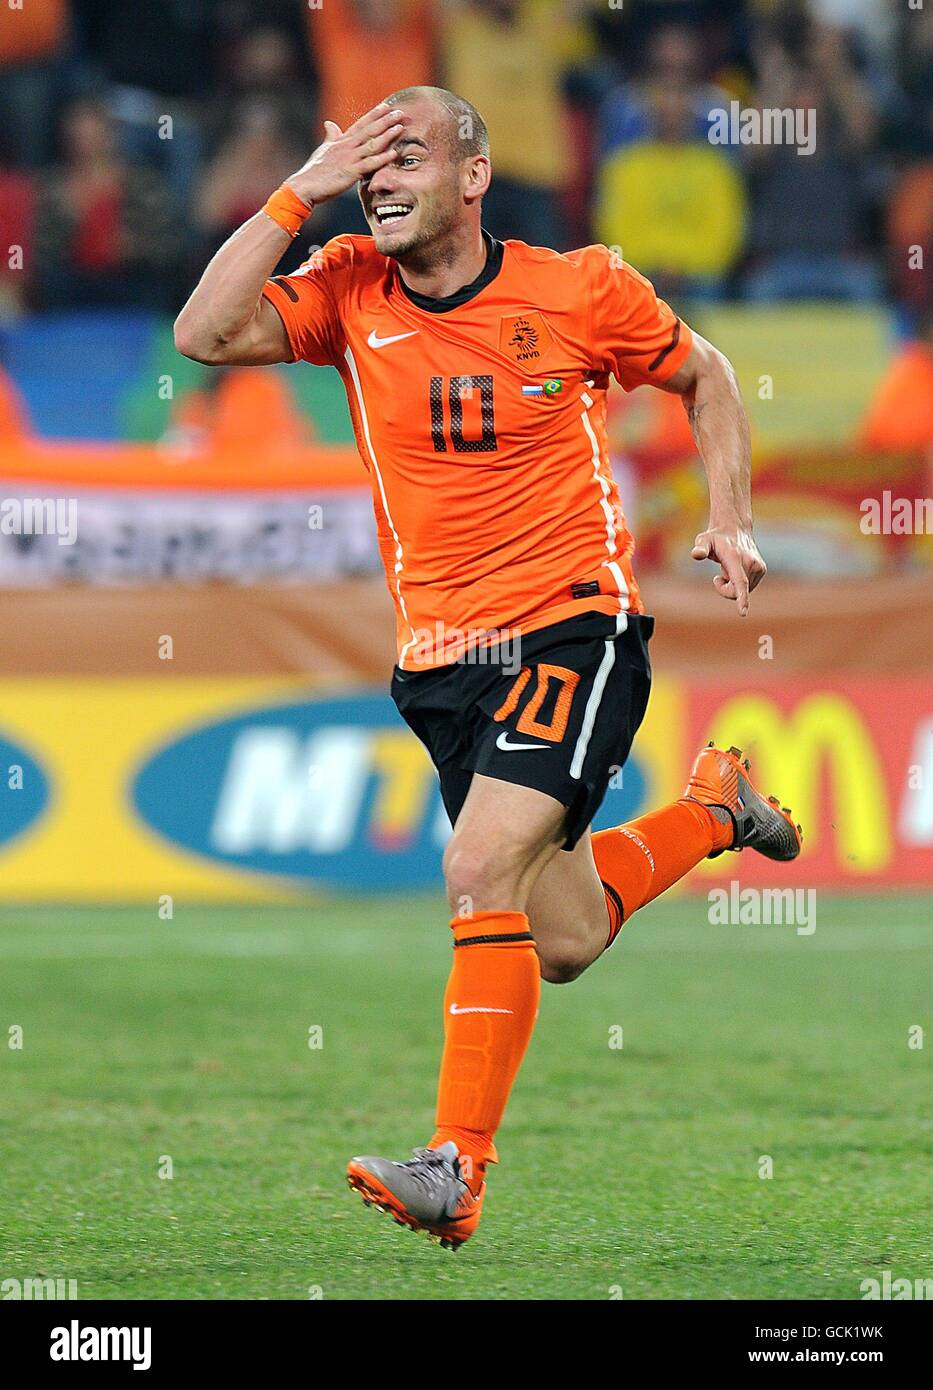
{"type": "Point", "coordinates": [429, 191]}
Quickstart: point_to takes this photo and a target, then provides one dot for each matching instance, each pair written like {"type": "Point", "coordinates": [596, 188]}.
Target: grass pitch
{"type": "Point", "coordinates": [631, 1171]}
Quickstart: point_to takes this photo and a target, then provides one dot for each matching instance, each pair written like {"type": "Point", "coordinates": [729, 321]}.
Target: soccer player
{"type": "Point", "coordinates": [476, 373]}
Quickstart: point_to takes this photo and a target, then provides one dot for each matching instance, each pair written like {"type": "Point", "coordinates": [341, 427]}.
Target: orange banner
{"type": "Point", "coordinates": [119, 466]}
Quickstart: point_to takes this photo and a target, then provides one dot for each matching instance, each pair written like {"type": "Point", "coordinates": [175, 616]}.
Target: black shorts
{"type": "Point", "coordinates": [559, 714]}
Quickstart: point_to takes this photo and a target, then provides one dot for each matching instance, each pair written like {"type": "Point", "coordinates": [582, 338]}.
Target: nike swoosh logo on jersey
{"type": "Point", "coordinates": [455, 1009]}
{"type": "Point", "coordinates": [376, 342]}
{"type": "Point", "coordinates": [503, 742]}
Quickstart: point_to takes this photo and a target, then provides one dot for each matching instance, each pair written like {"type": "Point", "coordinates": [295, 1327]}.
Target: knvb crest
{"type": "Point", "coordinates": [524, 338]}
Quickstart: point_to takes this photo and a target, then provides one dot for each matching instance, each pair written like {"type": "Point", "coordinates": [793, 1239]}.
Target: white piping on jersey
{"type": "Point", "coordinates": [596, 695]}
{"type": "Point", "coordinates": [399, 566]}
{"type": "Point", "coordinates": [611, 546]}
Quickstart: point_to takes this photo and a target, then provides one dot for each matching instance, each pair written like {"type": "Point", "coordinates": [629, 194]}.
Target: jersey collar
{"type": "Point", "coordinates": [490, 270]}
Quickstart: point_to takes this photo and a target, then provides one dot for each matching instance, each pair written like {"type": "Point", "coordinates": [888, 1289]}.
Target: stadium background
{"type": "Point", "coordinates": [193, 704]}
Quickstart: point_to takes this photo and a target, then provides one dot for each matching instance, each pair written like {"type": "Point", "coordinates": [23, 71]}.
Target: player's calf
{"type": "Point", "coordinates": [565, 960]}
{"type": "Point", "coordinates": [568, 913]}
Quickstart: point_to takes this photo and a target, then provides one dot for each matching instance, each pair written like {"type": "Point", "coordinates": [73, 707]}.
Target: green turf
{"type": "Point", "coordinates": [634, 1169]}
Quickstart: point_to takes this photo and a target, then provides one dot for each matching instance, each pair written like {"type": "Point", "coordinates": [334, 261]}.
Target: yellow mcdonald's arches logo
{"type": "Point", "coordinates": [790, 752]}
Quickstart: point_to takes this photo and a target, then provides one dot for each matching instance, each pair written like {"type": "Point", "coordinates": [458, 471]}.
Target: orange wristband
{"type": "Point", "coordinates": [287, 210]}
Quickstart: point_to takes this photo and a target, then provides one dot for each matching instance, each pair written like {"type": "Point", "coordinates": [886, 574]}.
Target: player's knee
{"type": "Point", "coordinates": [478, 879]}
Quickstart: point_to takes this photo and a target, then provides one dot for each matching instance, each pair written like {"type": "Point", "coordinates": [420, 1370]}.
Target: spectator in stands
{"type": "Point", "coordinates": [258, 153]}
{"type": "Point", "coordinates": [33, 42]}
{"type": "Point", "coordinates": [674, 204]}
{"type": "Point", "coordinates": [509, 57]}
{"type": "Point", "coordinates": [358, 46]}
{"type": "Point", "coordinates": [811, 210]}
{"type": "Point", "coordinates": [869, 24]}
{"type": "Point", "coordinates": [626, 31]}
{"type": "Point", "coordinates": [909, 226]}
{"type": "Point", "coordinates": [17, 219]}
{"type": "Point", "coordinates": [243, 408]}
{"type": "Point", "coordinates": [106, 232]}
{"type": "Point", "coordinates": [264, 67]}
{"type": "Point", "coordinates": [909, 211]}
{"type": "Point", "coordinates": [900, 416]}
{"type": "Point", "coordinates": [154, 63]}
{"type": "Point", "coordinates": [914, 131]}
{"type": "Point", "coordinates": [674, 62]}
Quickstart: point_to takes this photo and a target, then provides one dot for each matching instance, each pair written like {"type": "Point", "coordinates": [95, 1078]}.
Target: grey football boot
{"type": "Point", "coordinates": [426, 1193]}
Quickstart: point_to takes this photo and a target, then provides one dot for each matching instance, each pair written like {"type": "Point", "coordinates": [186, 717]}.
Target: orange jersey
{"type": "Point", "coordinates": [482, 422]}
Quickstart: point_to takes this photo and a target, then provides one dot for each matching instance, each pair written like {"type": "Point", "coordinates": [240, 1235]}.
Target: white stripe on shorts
{"type": "Point", "coordinates": [596, 695]}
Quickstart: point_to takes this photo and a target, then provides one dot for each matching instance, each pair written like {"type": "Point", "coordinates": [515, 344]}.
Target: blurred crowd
{"type": "Point", "coordinates": [135, 138]}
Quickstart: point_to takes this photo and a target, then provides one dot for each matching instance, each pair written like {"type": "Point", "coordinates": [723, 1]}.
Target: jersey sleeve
{"type": "Point", "coordinates": [308, 300]}
{"type": "Point", "coordinates": [635, 335]}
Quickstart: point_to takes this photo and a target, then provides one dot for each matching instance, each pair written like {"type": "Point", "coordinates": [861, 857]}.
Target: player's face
{"type": "Point", "coordinates": [417, 199]}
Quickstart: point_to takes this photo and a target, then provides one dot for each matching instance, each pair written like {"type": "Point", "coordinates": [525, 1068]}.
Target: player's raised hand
{"type": "Point", "coordinates": [349, 155]}
{"type": "Point", "coordinates": [740, 561]}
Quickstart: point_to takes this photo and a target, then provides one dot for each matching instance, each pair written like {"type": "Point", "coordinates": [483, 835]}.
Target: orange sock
{"type": "Point", "coordinates": [490, 1007]}
{"type": "Point", "coordinates": [639, 860]}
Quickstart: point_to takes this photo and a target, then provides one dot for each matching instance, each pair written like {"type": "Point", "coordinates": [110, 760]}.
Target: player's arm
{"type": "Point", "coordinates": [227, 321]}
{"type": "Point", "coordinates": [717, 418]}
{"type": "Point", "coordinates": [638, 338]}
